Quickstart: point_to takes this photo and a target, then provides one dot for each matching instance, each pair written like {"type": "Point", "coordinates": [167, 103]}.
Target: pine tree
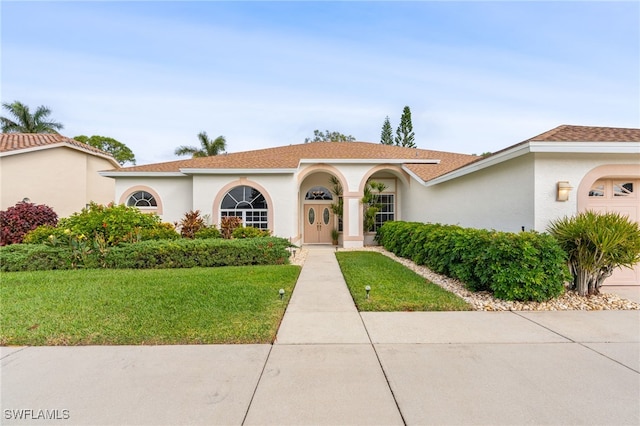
{"type": "Point", "coordinates": [404, 133]}
{"type": "Point", "coordinates": [386, 137]}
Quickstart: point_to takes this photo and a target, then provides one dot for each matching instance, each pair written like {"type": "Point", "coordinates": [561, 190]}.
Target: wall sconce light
{"type": "Point", "coordinates": [563, 190]}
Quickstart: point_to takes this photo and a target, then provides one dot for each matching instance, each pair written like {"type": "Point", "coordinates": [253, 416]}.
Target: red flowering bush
{"type": "Point", "coordinates": [17, 220]}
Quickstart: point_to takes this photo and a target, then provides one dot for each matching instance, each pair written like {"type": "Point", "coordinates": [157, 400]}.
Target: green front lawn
{"type": "Point", "coordinates": [134, 307]}
{"type": "Point", "coordinates": [393, 287]}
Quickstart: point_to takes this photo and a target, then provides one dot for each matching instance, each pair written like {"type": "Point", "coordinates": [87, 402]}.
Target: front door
{"type": "Point", "coordinates": [318, 223]}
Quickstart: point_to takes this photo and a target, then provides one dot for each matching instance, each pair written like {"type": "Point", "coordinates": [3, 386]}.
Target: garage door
{"type": "Point", "coordinates": [618, 195]}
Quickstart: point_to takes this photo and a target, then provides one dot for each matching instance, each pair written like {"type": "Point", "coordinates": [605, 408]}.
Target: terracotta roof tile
{"type": "Point", "coordinates": [18, 141]}
{"type": "Point", "coordinates": [288, 157]}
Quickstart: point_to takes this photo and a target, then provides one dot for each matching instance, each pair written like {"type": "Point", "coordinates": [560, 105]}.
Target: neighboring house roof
{"type": "Point", "coordinates": [18, 143]}
{"type": "Point", "coordinates": [422, 162]}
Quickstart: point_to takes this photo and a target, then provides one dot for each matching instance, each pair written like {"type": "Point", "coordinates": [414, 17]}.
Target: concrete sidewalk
{"type": "Point", "coordinates": [332, 365]}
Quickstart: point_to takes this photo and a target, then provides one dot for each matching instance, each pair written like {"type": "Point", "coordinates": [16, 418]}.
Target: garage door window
{"type": "Point", "coordinates": [623, 189]}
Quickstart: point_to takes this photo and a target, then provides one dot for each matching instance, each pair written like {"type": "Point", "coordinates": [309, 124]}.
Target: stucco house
{"type": "Point", "coordinates": [287, 189]}
{"type": "Point", "coordinates": [54, 170]}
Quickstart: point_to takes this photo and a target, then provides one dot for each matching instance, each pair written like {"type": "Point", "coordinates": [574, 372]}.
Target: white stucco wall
{"type": "Point", "coordinates": [551, 168]}
{"type": "Point", "coordinates": [175, 193]}
{"type": "Point", "coordinates": [498, 197]}
{"type": "Point", "coordinates": [280, 191]}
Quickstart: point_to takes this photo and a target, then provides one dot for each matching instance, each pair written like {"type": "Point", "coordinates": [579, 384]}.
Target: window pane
{"type": "Point", "coordinates": [318, 193]}
{"type": "Point", "coordinates": [622, 189]}
{"type": "Point", "coordinates": [141, 199]}
{"type": "Point", "coordinates": [597, 190]}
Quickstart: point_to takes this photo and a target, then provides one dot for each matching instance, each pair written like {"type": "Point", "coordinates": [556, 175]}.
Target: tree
{"type": "Point", "coordinates": [117, 149]}
{"type": "Point", "coordinates": [404, 133]}
{"type": "Point", "coordinates": [386, 137]}
{"type": "Point", "coordinates": [328, 136]}
{"type": "Point", "coordinates": [208, 147]}
{"type": "Point", "coordinates": [25, 122]}
{"type": "Point", "coordinates": [596, 244]}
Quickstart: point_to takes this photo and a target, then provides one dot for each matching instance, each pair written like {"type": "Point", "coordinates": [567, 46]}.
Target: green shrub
{"type": "Point", "coordinates": [524, 266]}
{"type": "Point", "coordinates": [115, 223]}
{"type": "Point", "coordinates": [181, 253]}
{"type": "Point", "coordinates": [34, 257]}
{"type": "Point", "coordinates": [250, 232]}
{"type": "Point", "coordinates": [42, 234]}
{"type": "Point", "coordinates": [208, 232]}
{"type": "Point", "coordinates": [204, 252]}
{"type": "Point", "coordinates": [596, 244]}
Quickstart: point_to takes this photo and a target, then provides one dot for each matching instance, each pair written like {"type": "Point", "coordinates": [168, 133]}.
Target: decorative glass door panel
{"type": "Point", "coordinates": [318, 224]}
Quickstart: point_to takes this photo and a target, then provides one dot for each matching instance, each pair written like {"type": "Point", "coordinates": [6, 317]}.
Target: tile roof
{"type": "Point", "coordinates": [18, 141]}
{"type": "Point", "coordinates": [289, 157]}
{"type": "Point", "coordinates": [566, 133]}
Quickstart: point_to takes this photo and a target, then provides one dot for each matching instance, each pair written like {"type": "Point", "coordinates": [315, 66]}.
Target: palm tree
{"type": "Point", "coordinates": [25, 122]}
{"type": "Point", "coordinates": [207, 147]}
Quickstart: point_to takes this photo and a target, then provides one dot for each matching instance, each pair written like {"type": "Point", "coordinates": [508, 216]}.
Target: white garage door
{"type": "Point", "coordinates": [618, 195]}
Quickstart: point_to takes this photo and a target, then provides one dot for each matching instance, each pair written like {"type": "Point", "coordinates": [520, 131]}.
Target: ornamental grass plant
{"type": "Point", "coordinates": [597, 243]}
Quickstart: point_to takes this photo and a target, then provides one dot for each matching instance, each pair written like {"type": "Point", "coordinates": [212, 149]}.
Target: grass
{"type": "Point", "coordinates": [135, 307]}
{"type": "Point", "coordinates": [393, 286]}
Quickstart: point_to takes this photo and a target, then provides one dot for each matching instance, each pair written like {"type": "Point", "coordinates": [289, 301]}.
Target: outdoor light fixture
{"type": "Point", "coordinates": [26, 200]}
{"type": "Point", "coordinates": [281, 293]}
{"type": "Point", "coordinates": [367, 289]}
{"type": "Point", "coordinates": [563, 190]}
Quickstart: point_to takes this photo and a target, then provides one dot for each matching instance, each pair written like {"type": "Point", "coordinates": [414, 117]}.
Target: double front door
{"type": "Point", "coordinates": [318, 223]}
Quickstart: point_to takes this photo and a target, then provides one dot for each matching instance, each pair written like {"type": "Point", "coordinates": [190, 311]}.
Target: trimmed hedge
{"type": "Point", "coordinates": [526, 266]}
{"type": "Point", "coordinates": [149, 255]}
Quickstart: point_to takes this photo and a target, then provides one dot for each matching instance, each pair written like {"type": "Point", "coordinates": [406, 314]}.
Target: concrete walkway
{"type": "Point", "coordinates": [332, 365]}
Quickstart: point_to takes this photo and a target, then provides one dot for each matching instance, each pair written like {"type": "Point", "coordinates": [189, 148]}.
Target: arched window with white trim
{"type": "Point", "coordinates": [248, 204]}
{"type": "Point", "coordinates": [142, 199]}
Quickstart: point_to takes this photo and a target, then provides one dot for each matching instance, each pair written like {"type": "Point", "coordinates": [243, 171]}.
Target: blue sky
{"type": "Point", "coordinates": [478, 76]}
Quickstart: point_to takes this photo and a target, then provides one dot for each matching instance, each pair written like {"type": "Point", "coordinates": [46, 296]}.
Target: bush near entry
{"type": "Point", "coordinates": [183, 253]}
{"type": "Point", "coordinates": [526, 266]}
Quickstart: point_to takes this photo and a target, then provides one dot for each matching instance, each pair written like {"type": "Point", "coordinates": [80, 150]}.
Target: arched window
{"type": "Point", "coordinates": [318, 193]}
{"type": "Point", "coordinates": [141, 199]}
{"type": "Point", "coordinates": [246, 203]}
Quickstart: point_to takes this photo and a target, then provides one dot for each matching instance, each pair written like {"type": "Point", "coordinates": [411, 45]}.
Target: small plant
{"type": "Point", "coordinates": [208, 232]}
{"type": "Point", "coordinates": [596, 244]}
{"type": "Point", "coordinates": [17, 220]}
{"type": "Point", "coordinates": [228, 224]}
{"type": "Point", "coordinates": [335, 235]}
{"type": "Point", "coordinates": [191, 223]}
{"type": "Point", "coordinates": [371, 204]}
{"type": "Point", "coordinates": [250, 232]}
